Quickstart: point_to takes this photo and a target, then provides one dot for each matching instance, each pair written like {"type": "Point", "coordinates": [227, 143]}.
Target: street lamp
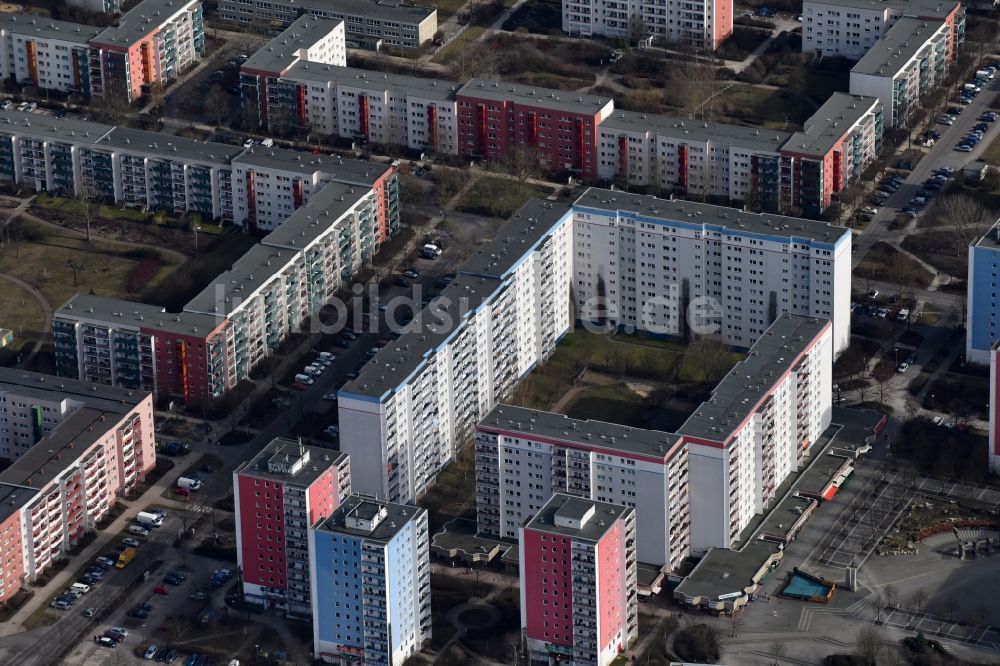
{"type": "Point", "coordinates": [196, 230]}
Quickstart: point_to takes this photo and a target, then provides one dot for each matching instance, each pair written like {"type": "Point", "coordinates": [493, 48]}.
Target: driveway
{"type": "Point", "coordinates": [941, 155]}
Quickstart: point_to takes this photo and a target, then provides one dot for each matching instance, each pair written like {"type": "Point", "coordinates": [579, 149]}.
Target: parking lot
{"type": "Point", "coordinates": [939, 627]}
{"type": "Point", "coordinates": [863, 523]}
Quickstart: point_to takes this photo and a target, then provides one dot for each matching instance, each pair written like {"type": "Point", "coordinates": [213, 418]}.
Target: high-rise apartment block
{"type": "Point", "coordinates": [693, 489]}
{"type": "Point", "coordinates": [370, 582]}
{"type": "Point", "coordinates": [309, 38]}
{"type": "Point", "coordinates": [223, 332]}
{"type": "Point", "coordinates": [982, 328]}
{"type": "Point", "coordinates": [994, 407]}
{"type": "Point", "coordinates": [402, 419]}
{"type": "Point", "coordinates": [667, 267]}
{"type": "Point", "coordinates": [904, 66]}
{"type": "Point", "coordinates": [152, 43]}
{"type": "Point", "coordinates": [653, 264]}
{"type": "Point", "coordinates": [279, 494]}
{"type": "Point", "coordinates": [703, 24]}
{"type": "Point", "coordinates": [851, 28]}
{"type": "Point", "coordinates": [579, 602]}
{"type": "Point", "coordinates": [75, 448]}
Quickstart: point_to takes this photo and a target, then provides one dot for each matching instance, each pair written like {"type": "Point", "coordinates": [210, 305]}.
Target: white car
{"type": "Point", "coordinates": [903, 367]}
{"type": "Point", "coordinates": [248, 143]}
{"type": "Point", "coordinates": [903, 315]}
{"type": "Point", "coordinates": [882, 313]}
{"type": "Point", "coordinates": [331, 397]}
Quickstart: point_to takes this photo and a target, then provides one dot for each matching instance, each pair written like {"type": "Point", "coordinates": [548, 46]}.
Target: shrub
{"type": "Point", "coordinates": [698, 643]}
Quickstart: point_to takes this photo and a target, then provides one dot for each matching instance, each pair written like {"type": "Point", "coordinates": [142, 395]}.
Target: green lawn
{"type": "Point", "coordinates": [498, 197]}
{"type": "Point", "coordinates": [22, 314]}
{"type": "Point", "coordinates": [41, 255]}
{"type": "Point", "coordinates": [450, 53]}
{"type": "Point", "coordinates": [74, 206]}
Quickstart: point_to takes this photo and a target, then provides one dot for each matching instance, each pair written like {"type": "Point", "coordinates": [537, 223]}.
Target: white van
{"type": "Point", "coordinates": [304, 379]}
{"type": "Point", "coordinates": [984, 73]}
{"type": "Point", "coordinates": [972, 87]}
{"type": "Point", "coordinates": [267, 143]}
{"type": "Point", "coordinates": [82, 587]}
{"type": "Point", "coordinates": [430, 247]}
{"type": "Point", "coordinates": [149, 519]}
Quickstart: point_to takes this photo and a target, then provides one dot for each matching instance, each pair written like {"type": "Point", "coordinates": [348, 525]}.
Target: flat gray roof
{"type": "Point", "coordinates": [398, 515]}
{"type": "Point", "coordinates": [158, 144]}
{"type": "Point", "coordinates": [320, 460]}
{"type": "Point", "coordinates": [749, 382]}
{"type": "Point", "coordinates": [282, 51]}
{"type": "Point", "coordinates": [60, 449]}
{"type": "Point", "coordinates": [383, 10]}
{"type": "Point", "coordinates": [897, 47]}
{"type": "Point", "coordinates": [356, 172]}
{"type": "Point", "coordinates": [990, 239]}
{"type": "Point", "coordinates": [828, 125]}
{"type": "Point", "coordinates": [685, 129]}
{"type": "Point", "coordinates": [694, 214]}
{"type": "Point", "coordinates": [46, 28]}
{"type": "Point", "coordinates": [248, 274]}
{"type": "Point", "coordinates": [139, 21]}
{"type": "Point", "coordinates": [522, 231]}
{"type": "Point", "coordinates": [116, 310]}
{"type": "Point", "coordinates": [49, 387]}
{"type": "Point", "coordinates": [583, 432]}
{"type": "Point", "coordinates": [314, 219]}
{"type": "Point", "coordinates": [546, 98]}
{"type": "Point", "coordinates": [723, 571]}
{"type": "Point", "coordinates": [403, 356]}
{"type": "Point", "coordinates": [69, 128]}
{"type": "Point", "coordinates": [576, 508]}
{"type": "Point", "coordinates": [436, 89]}
{"type": "Point", "coordinates": [13, 497]}
{"type": "Point", "coordinates": [912, 7]}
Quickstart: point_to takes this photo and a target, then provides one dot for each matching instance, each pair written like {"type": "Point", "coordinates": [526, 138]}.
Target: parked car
{"type": "Point", "coordinates": [160, 589]}
{"type": "Point", "coordinates": [89, 612]}
{"type": "Point", "coordinates": [106, 642]}
{"type": "Point", "coordinates": [963, 148]}
{"type": "Point", "coordinates": [105, 562]}
{"type": "Point", "coordinates": [60, 604]}
{"type": "Point", "coordinates": [882, 313]}
{"type": "Point", "coordinates": [129, 542]}
{"type": "Point", "coordinates": [183, 492]}
{"type": "Point", "coordinates": [873, 294]}
{"type": "Point", "coordinates": [150, 652]}
{"type": "Point", "coordinates": [332, 397]}
{"type": "Point", "coordinates": [138, 614]}
{"type": "Point", "coordinates": [117, 633]}
{"type": "Point", "coordinates": [902, 367]}
{"type": "Point", "coordinates": [911, 358]}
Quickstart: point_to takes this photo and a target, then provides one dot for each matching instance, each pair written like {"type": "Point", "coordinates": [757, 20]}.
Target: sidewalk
{"type": "Point", "coordinates": [64, 577]}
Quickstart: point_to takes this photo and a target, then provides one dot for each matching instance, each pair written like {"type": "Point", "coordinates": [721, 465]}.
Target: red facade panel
{"type": "Point", "coordinates": [548, 588]}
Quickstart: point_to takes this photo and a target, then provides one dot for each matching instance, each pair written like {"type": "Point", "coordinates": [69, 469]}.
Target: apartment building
{"type": "Point", "coordinates": [420, 397]}
{"type": "Point", "coordinates": [308, 38]}
{"type": "Point", "coordinates": [151, 43]}
{"type": "Point", "coordinates": [524, 457]}
{"type": "Point", "coordinates": [38, 51]}
{"type": "Point", "coordinates": [982, 329]}
{"type": "Point", "coordinates": [688, 157]}
{"type": "Point", "coordinates": [691, 490]}
{"type": "Point", "coordinates": [904, 66]}
{"type": "Point", "coordinates": [496, 119]}
{"type": "Point", "coordinates": [704, 24]}
{"type": "Point", "coordinates": [835, 147]}
{"type": "Point", "coordinates": [279, 494]}
{"type": "Point", "coordinates": [674, 267]}
{"type": "Point", "coordinates": [12, 500]}
{"type": "Point", "coordinates": [222, 333]}
{"type": "Point", "coordinates": [270, 184]}
{"type": "Point", "coordinates": [389, 109]}
{"type": "Point", "coordinates": [757, 428]}
{"type": "Point", "coordinates": [369, 573]}
{"type": "Point", "coordinates": [994, 407]}
{"type": "Point", "coordinates": [89, 444]}
{"type": "Point", "coordinates": [579, 600]}
{"type": "Point", "coordinates": [98, 6]}
{"type": "Point", "coordinates": [370, 24]}
{"type": "Point", "coordinates": [851, 28]}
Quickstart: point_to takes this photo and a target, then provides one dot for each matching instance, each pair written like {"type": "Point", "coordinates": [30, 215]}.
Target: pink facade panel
{"type": "Point", "coordinates": [548, 588]}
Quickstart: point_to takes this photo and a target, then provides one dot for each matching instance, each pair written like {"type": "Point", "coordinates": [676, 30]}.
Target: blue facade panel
{"type": "Point", "coordinates": [338, 589]}
{"type": "Point", "coordinates": [984, 328]}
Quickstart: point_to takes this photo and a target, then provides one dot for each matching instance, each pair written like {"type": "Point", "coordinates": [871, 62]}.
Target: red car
{"type": "Point", "coordinates": [161, 589]}
{"type": "Point", "coordinates": [184, 492]}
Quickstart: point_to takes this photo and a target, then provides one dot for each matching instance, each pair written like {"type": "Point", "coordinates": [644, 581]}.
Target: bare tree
{"type": "Point", "coordinates": [777, 650]}
{"type": "Point", "coordinates": [891, 656]}
{"type": "Point", "coordinates": [967, 217]}
{"type": "Point", "coordinates": [878, 601]}
{"type": "Point", "coordinates": [710, 352]}
{"type": "Point", "coordinates": [695, 76]}
{"type": "Point", "coordinates": [736, 623]}
{"type": "Point", "coordinates": [981, 612]}
{"type": "Point", "coordinates": [918, 599]}
{"type": "Point", "coordinates": [217, 103]}
{"type": "Point", "coordinates": [87, 201]}
{"type": "Point", "coordinates": [868, 646]}
{"type": "Point", "coordinates": [952, 606]}
{"type": "Point", "coordinates": [890, 594]}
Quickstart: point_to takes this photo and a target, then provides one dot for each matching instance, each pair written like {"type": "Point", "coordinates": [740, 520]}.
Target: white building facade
{"type": "Point", "coordinates": [420, 397]}
{"type": "Point", "coordinates": [675, 268]}
{"type": "Point", "coordinates": [703, 23]}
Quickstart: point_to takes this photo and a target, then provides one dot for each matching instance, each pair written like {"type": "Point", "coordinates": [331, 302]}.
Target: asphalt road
{"type": "Point", "coordinates": [942, 154]}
